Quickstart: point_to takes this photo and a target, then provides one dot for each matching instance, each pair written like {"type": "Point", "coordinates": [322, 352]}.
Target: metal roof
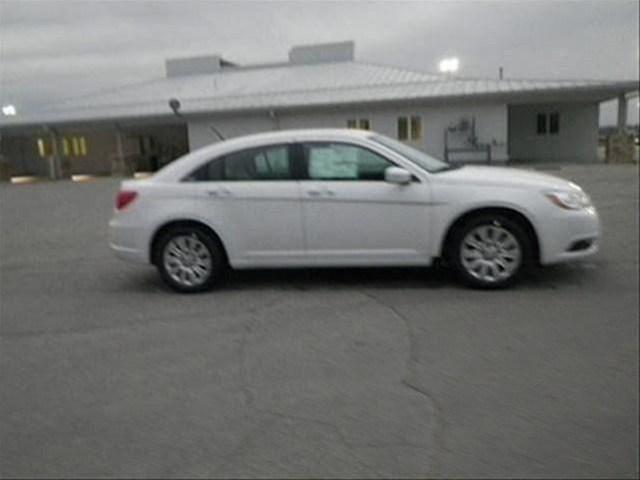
{"type": "Point", "coordinates": [288, 85]}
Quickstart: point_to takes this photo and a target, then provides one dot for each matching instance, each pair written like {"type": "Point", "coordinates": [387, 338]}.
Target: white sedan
{"type": "Point", "coordinates": [329, 198]}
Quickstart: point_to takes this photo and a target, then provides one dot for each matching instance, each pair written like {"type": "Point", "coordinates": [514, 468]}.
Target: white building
{"type": "Point", "coordinates": [462, 119]}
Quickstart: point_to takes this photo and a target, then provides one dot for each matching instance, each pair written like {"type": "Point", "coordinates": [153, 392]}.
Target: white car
{"type": "Point", "coordinates": [329, 198]}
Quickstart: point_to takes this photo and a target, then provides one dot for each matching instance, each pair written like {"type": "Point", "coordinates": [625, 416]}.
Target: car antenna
{"type": "Point", "coordinates": [174, 104]}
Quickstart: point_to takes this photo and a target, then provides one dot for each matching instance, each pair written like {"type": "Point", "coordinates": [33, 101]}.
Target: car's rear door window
{"type": "Point", "coordinates": [261, 163]}
{"type": "Point", "coordinates": [270, 163]}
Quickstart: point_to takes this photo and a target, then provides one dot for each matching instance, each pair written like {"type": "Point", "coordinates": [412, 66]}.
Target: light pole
{"type": "Point", "coordinates": [174, 104]}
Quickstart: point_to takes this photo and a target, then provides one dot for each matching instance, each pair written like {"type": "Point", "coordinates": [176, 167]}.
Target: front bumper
{"type": "Point", "coordinates": [570, 235]}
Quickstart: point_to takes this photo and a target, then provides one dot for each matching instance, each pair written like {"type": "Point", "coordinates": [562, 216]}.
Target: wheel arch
{"type": "Point", "coordinates": [177, 223]}
{"type": "Point", "coordinates": [515, 215]}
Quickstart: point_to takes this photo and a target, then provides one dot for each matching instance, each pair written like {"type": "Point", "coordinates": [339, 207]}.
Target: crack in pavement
{"type": "Point", "coordinates": [409, 381]}
{"type": "Point", "coordinates": [249, 397]}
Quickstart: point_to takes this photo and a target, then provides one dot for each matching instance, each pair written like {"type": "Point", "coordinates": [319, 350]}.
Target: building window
{"type": "Point", "coordinates": [66, 151]}
{"type": "Point", "coordinates": [74, 146]}
{"type": "Point", "coordinates": [403, 128]}
{"type": "Point", "coordinates": [44, 149]}
{"type": "Point", "coordinates": [416, 128]}
{"type": "Point", "coordinates": [362, 124]}
{"type": "Point", "coordinates": [75, 142]}
{"type": "Point", "coordinates": [410, 128]}
{"type": "Point", "coordinates": [554, 123]}
{"type": "Point", "coordinates": [83, 147]}
{"type": "Point", "coordinates": [541, 124]}
{"type": "Point", "coordinates": [548, 123]}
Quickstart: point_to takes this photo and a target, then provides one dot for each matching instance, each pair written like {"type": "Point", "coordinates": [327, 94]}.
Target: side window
{"type": "Point", "coordinates": [265, 163]}
{"type": "Point", "coordinates": [339, 161]}
{"type": "Point", "coordinates": [209, 172]}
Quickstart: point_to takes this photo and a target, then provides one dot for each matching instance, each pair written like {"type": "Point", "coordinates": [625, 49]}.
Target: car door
{"type": "Point", "coordinates": [352, 216]}
{"type": "Point", "coordinates": [252, 197]}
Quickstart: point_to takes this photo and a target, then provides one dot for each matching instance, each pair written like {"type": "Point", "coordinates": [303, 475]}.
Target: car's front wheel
{"type": "Point", "coordinates": [490, 251]}
{"type": "Point", "coordinates": [189, 259]}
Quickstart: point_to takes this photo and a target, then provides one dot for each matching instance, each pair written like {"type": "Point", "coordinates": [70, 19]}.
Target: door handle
{"type": "Point", "coordinates": [325, 192]}
{"type": "Point", "coordinates": [223, 192]}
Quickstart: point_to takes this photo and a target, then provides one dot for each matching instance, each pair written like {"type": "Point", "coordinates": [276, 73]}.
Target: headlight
{"type": "Point", "coordinates": [569, 200]}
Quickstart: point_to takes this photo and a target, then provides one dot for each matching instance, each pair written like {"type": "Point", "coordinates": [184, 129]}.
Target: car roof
{"type": "Point", "coordinates": [183, 165]}
{"type": "Point", "coordinates": [303, 134]}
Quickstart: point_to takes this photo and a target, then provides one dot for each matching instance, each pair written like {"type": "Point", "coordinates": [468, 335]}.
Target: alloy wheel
{"type": "Point", "coordinates": [187, 260]}
{"type": "Point", "coordinates": [490, 253]}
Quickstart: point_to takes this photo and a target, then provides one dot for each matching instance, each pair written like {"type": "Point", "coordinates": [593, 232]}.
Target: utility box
{"type": "Point", "coordinates": [123, 165]}
{"type": "Point", "coordinates": [620, 148]}
{"type": "Point", "coordinates": [4, 170]}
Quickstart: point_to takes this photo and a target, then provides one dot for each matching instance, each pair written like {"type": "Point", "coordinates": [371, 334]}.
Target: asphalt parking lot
{"type": "Point", "coordinates": [337, 373]}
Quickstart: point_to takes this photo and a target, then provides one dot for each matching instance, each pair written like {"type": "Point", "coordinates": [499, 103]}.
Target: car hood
{"type": "Point", "coordinates": [501, 176]}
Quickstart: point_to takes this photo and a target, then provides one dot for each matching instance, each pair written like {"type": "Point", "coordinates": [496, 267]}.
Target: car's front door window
{"type": "Point", "coordinates": [341, 161]}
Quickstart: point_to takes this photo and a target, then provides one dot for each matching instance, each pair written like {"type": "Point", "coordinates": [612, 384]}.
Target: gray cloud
{"type": "Point", "coordinates": [50, 50]}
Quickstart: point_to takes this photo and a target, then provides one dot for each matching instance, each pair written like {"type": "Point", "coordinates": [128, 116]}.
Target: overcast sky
{"type": "Point", "coordinates": [53, 49]}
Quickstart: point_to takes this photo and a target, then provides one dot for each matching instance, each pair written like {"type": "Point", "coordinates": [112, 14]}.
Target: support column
{"type": "Point", "coordinates": [622, 113]}
{"type": "Point", "coordinates": [620, 146]}
{"type": "Point", "coordinates": [62, 163]}
{"type": "Point", "coordinates": [55, 169]}
{"type": "Point", "coordinates": [4, 165]}
{"type": "Point", "coordinates": [120, 167]}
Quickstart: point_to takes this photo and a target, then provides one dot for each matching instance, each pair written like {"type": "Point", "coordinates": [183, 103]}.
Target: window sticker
{"type": "Point", "coordinates": [333, 163]}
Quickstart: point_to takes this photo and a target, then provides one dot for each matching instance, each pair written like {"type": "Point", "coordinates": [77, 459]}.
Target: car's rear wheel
{"type": "Point", "coordinates": [490, 251]}
{"type": "Point", "coordinates": [189, 259]}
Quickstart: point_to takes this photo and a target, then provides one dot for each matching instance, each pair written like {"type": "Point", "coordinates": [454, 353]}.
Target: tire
{"type": "Point", "coordinates": [189, 259]}
{"type": "Point", "coordinates": [490, 251]}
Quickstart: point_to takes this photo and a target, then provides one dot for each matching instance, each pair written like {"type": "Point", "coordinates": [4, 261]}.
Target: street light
{"type": "Point", "coordinates": [449, 65]}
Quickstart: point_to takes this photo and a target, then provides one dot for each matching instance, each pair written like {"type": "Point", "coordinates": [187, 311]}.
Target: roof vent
{"type": "Point", "coordinates": [321, 53]}
{"type": "Point", "coordinates": [178, 67]}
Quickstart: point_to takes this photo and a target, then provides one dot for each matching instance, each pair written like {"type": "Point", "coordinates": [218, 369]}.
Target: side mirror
{"type": "Point", "coordinates": [397, 175]}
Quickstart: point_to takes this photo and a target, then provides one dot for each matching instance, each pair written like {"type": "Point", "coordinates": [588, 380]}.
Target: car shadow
{"type": "Point", "coordinates": [393, 278]}
{"type": "Point", "coordinates": [340, 278]}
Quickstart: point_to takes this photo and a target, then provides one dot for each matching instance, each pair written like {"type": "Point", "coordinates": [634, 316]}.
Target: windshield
{"type": "Point", "coordinates": [424, 161]}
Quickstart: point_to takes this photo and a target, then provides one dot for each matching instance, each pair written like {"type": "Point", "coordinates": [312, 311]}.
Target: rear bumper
{"type": "Point", "coordinates": [126, 242]}
{"type": "Point", "coordinates": [571, 236]}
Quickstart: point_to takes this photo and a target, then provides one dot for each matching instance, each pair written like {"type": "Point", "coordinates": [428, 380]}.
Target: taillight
{"type": "Point", "coordinates": [124, 198]}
